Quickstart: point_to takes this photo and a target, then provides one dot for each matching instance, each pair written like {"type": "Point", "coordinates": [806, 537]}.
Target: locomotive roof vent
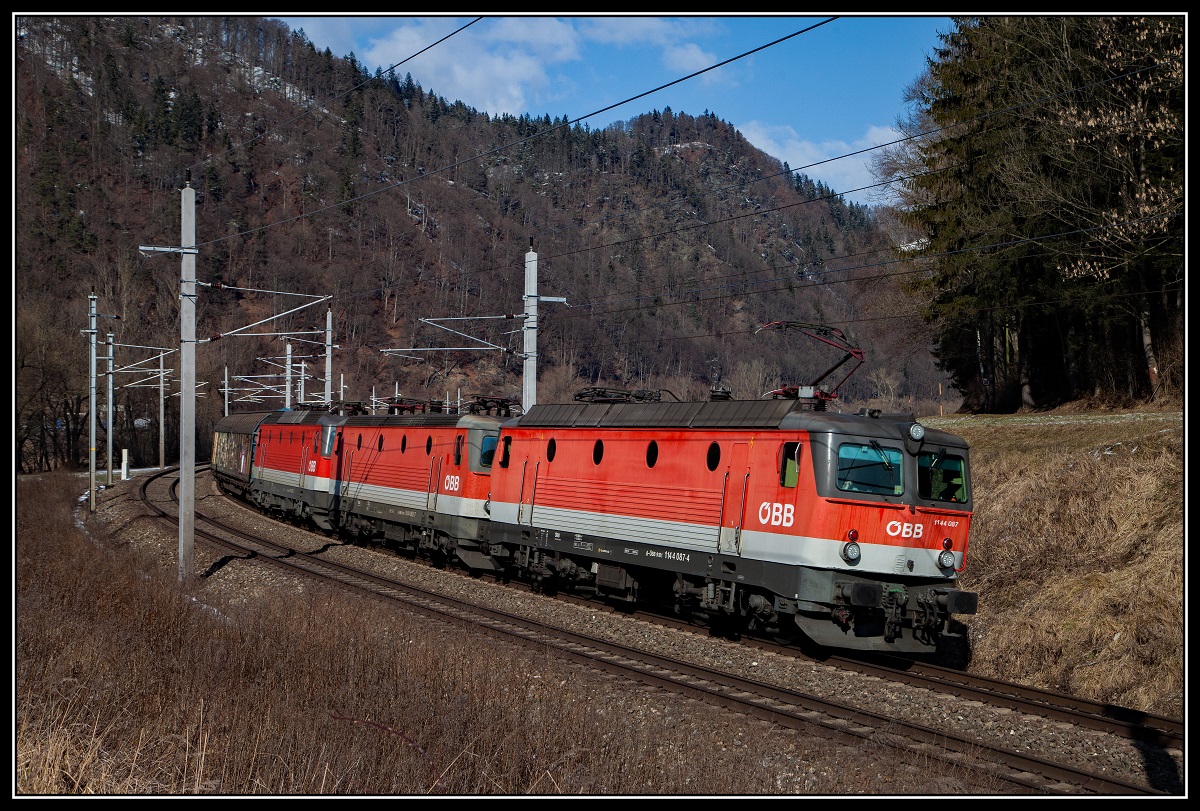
{"type": "Point", "coordinates": [897, 416]}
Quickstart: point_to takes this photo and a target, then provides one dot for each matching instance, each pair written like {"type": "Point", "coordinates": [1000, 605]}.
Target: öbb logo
{"type": "Point", "coordinates": [776, 514]}
{"type": "Point", "coordinates": [903, 530]}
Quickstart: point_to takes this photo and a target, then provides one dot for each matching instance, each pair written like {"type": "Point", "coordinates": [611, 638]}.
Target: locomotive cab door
{"type": "Point", "coordinates": [733, 499]}
{"type": "Point", "coordinates": [329, 439]}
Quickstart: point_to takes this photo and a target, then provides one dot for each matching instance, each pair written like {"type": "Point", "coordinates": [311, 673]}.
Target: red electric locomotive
{"type": "Point", "coordinates": [291, 473]}
{"type": "Point", "coordinates": [272, 458]}
{"type": "Point", "coordinates": [760, 515]}
{"type": "Point", "coordinates": [418, 479]}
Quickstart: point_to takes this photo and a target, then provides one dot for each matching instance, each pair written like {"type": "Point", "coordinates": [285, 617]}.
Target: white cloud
{"type": "Point", "coordinates": [687, 58]}
{"type": "Point", "coordinates": [671, 36]}
{"type": "Point", "coordinates": [630, 30]}
{"type": "Point", "coordinates": [498, 77]}
{"type": "Point", "coordinates": [547, 38]}
{"type": "Point", "coordinates": [849, 176]}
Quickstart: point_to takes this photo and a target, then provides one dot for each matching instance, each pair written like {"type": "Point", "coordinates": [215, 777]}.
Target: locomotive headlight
{"type": "Point", "coordinates": [851, 553]}
{"type": "Point", "coordinates": [916, 431]}
{"type": "Point", "coordinates": [946, 559]}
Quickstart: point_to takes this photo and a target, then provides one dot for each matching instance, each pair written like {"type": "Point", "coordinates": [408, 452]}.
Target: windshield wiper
{"type": "Point", "coordinates": [887, 465]}
{"type": "Point", "coordinates": [937, 460]}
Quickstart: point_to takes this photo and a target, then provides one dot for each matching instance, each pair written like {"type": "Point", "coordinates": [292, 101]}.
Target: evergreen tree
{"type": "Point", "coordinates": [1045, 178]}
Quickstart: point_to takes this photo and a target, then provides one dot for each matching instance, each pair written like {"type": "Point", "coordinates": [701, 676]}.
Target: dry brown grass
{"type": "Point", "coordinates": [126, 684]}
{"type": "Point", "coordinates": [1077, 554]}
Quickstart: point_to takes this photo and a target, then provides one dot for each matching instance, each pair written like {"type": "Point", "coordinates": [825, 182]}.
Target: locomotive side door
{"type": "Point", "coordinates": [529, 474]}
{"type": "Point", "coordinates": [304, 453]}
{"type": "Point", "coordinates": [733, 499]}
{"type": "Point", "coordinates": [435, 474]}
{"type": "Point", "coordinates": [530, 468]}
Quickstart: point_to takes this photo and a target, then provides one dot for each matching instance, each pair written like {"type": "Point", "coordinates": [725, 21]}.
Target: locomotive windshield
{"type": "Point", "coordinates": [870, 468]}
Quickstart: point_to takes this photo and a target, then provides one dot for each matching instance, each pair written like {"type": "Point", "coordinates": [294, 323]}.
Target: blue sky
{"type": "Point", "coordinates": [828, 92]}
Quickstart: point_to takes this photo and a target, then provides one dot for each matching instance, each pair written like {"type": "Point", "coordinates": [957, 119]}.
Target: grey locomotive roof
{"type": "Point", "coordinates": [731, 414]}
{"type": "Point", "coordinates": [712, 414]}
{"type": "Point", "coordinates": [246, 423]}
{"type": "Point", "coordinates": [431, 420]}
{"type": "Point", "coordinates": [884, 427]}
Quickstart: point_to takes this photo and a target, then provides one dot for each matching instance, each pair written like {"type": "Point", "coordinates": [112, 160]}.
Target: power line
{"type": "Point", "coordinates": [996, 245]}
{"type": "Point", "coordinates": [790, 171]}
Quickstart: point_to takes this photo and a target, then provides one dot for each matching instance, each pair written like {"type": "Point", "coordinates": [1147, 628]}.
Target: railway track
{"type": "Point", "coordinates": [832, 720]}
{"type": "Point", "coordinates": [1153, 730]}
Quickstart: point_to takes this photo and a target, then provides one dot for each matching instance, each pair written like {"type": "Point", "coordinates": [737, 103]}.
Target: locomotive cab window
{"type": "Point", "coordinates": [870, 468]}
{"type": "Point", "coordinates": [789, 463]}
{"type": "Point", "coordinates": [487, 450]}
{"type": "Point", "coordinates": [942, 477]}
{"type": "Point", "coordinates": [328, 432]}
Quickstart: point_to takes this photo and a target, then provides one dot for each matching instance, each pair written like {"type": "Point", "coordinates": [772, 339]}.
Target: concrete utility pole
{"type": "Point", "coordinates": [529, 368]}
{"type": "Point", "coordinates": [162, 413]}
{"type": "Point", "coordinates": [287, 376]}
{"type": "Point", "coordinates": [187, 390]}
{"type": "Point", "coordinates": [92, 402]}
{"type": "Point", "coordinates": [187, 379]}
{"type": "Point", "coordinates": [328, 357]}
{"type": "Point", "coordinates": [92, 332]}
{"type": "Point", "coordinates": [109, 432]}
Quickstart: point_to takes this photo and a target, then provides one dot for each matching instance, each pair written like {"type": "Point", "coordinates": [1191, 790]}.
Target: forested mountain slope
{"type": "Point", "coordinates": [670, 237]}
